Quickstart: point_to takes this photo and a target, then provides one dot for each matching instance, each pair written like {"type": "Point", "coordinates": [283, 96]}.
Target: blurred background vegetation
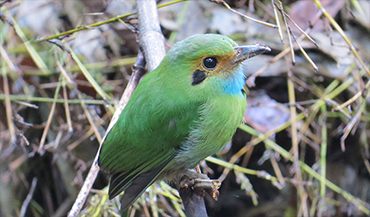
{"type": "Point", "coordinates": [304, 149]}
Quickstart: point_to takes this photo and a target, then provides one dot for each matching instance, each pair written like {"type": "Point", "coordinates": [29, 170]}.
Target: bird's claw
{"type": "Point", "coordinates": [201, 181]}
{"type": "Point", "coordinates": [208, 183]}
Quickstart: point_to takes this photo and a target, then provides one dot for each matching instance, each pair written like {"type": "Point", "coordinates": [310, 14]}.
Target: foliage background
{"type": "Point", "coordinates": [57, 98]}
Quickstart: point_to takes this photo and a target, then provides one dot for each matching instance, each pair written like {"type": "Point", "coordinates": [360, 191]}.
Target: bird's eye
{"type": "Point", "coordinates": [210, 63]}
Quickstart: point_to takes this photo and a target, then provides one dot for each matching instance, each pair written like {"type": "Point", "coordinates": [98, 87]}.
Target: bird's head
{"type": "Point", "coordinates": [212, 60]}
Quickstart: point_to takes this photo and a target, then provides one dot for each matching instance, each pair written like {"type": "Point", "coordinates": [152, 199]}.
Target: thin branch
{"type": "Point", "coordinates": [193, 202]}
{"type": "Point", "coordinates": [151, 39]}
{"type": "Point", "coordinates": [137, 73]}
{"type": "Point", "coordinates": [111, 20]}
{"type": "Point", "coordinates": [28, 199]}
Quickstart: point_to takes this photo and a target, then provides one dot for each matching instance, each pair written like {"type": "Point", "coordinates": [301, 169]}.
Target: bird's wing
{"type": "Point", "coordinates": [145, 138]}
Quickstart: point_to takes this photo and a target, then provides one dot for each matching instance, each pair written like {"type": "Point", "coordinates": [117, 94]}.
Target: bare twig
{"type": "Point", "coordinates": [151, 38]}
{"type": "Point", "coordinates": [28, 199]}
{"type": "Point", "coordinates": [137, 73]}
{"type": "Point", "coordinates": [193, 202]}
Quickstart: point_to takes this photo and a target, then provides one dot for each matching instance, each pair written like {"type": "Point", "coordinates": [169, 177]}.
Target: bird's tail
{"type": "Point", "coordinates": [135, 184]}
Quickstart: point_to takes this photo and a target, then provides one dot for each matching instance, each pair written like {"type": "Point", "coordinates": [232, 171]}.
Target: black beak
{"type": "Point", "coordinates": [246, 52]}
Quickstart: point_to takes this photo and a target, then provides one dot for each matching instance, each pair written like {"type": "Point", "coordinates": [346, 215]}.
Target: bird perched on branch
{"type": "Point", "coordinates": [183, 111]}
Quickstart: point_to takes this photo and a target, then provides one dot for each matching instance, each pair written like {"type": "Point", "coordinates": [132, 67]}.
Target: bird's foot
{"type": "Point", "coordinates": [196, 180]}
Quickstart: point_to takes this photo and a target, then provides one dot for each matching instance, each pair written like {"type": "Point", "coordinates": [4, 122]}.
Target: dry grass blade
{"type": "Point", "coordinates": [65, 74]}
{"type": "Point", "coordinates": [66, 107]}
{"type": "Point", "coordinates": [323, 153]}
{"type": "Point", "coordinates": [96, 65]}
{"type": "Point", "coordinates": [48, 122]}
{"type": "Point", "coordinates": [307, 57]}
{"type": "Point", "coordinates": [248, 147]}
{"type": "Point", "coordinates": [301, 30]}
{"type": "Point", "coordinates": [350, 127]}
{"type": "Point", "coordinates": [27, 104]}
{"type": "Point", "coordinates": [353, 99]}
{"type": "Point", "coordinates": [294, 132]}
{"type": "Point", "coordinates": [235, 167]}
{"type": "Point", "coordinates": [331, 91]}
{"type": "Point", "coordinates": [367, 164]}
{"type": "Point", "coordinates": [250, 80]}
{"type": "Point", "coordinates": [358, 203]}
{"type": "Point", "coordinates": [89, 118]}
{"type": "Point", "coordinates": [348, 102]}
{"type": "Point", "coordinates": [277, 21]}
{"type": "Point", "coordinates": [5, 56]}
{"type": "Point", "coordinates": [88, 76]}
{"type": "Point", "coordinates": [46, 99]}
{"type": "Point", "coordinates": [31, 50]}
{"type": "Point", "coordinates": [277, 171]}
{"type": "Point", "coordinates": [67, 33]}
{"type": "Point", "coordinates": [245, 16]}
{"type": "Point", "coordinates": [111, 20]}
{"type": "Point", "coordinates": [234, 159]}
{"type": "Point", "coordinates": [8, 105]}
{"type": "Point", "coordinates": [359, 8]}
{"type": "Point", "coordinates": [289, 33]}
{"type": "Point", "coordinates": [340, 30]}
{"type": "Point", "coordinates": [246, 185]}
{"type": "Point", "coordinates": [82, 138]}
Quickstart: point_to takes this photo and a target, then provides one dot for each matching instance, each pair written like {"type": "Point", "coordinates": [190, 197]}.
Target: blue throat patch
{"type": "Point", "coordinates": [235, 83]}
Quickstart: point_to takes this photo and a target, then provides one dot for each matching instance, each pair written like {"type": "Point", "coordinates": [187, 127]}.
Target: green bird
{"type": "Point", "coordinates": [186, 109]}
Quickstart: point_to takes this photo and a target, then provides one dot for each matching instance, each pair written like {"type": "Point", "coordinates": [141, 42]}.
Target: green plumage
{"type": "Point", "coordinates": [176, 118]}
